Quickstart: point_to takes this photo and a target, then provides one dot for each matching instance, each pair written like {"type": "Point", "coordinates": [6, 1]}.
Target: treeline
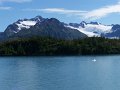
{"type": "Point", "coordinates": [39, 46]}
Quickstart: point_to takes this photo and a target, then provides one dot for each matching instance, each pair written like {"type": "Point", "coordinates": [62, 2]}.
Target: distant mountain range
{"type": "Point", "coordinates": [52, 27]}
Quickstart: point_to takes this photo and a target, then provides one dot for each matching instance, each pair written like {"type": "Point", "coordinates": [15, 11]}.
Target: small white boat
{"type": "Point", "coordinates": [94, 60]}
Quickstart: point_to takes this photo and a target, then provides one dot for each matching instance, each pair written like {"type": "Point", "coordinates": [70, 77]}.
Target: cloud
{"type": "Point", "coordinates": [59, 11]}
{"type": "Point", "coordinates": [5, 8]}
{"type": "Point", "coordinates": [63, 11]}
{"type": "Point", "coordinates": [89, 15]}
{"type": "Point", "coordinates": [102, 12]}
{"type": "Point", "coordinates": [16, 1]}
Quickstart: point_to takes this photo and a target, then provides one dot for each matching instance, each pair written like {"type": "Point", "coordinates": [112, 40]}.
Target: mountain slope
{"type": "Point", "coordinates": [52, 27]}
{"type": "Point", "coordinates": [115, 32]}
{"type": "Point", "coordinates": [39, 26]}
{"type": "Point", "coordinates": [91, 29]}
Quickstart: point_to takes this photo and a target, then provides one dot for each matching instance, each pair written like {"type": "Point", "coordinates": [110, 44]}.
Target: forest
{"type": "Point", "coordinates": [45, 46]}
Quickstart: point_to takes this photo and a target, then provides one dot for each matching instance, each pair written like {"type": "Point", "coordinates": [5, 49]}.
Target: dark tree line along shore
{"type": "Point", "coordinates": [43, 46]}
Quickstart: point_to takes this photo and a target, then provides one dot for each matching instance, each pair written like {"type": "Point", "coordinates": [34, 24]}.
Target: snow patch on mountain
{"type": "Point", "coordinates": [89, 34]}
{"type": "Point", "coordinates": [25, 24]}
{"type": "Point", "coordinates": [92, 29]}
{"type": "Point", "coordinates": [98, 28]}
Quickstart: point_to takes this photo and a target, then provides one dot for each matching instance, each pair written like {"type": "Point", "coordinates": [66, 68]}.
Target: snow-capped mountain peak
{"type": "Point", "coordinates": [37, 19]}
{"type": "Point", "coordinates": [83, 24]}
{"type": "Point", "coordinates": [39, 26]}
{"type": "Point", "coordinates": [27, 23]}
{"type": "Point", "coordinates": [92, 29]}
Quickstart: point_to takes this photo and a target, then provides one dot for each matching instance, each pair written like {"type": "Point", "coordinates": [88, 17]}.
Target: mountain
{"type": "Point", "coordinates": [39, 26]}
{"type": "Point", "coordinates": [97, 29]}
{"type": "Point", "coordinates": [91, 29]}
{"type": "Point", "coordinates": [115, 32]}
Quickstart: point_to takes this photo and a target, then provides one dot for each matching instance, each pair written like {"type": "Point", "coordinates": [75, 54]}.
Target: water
{"type": "Point", "coordinates": [60, 73]}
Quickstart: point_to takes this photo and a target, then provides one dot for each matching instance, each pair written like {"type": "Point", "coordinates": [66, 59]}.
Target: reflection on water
{"type": "Point", "coordinates": [60, 73]}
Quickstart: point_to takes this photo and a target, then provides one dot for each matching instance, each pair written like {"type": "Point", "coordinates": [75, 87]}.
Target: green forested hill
{"type": "Point", "coordinates": [48, 46]}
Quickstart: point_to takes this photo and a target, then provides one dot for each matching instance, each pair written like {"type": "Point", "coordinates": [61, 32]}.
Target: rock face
{"type": "Point", "coordinates": [115, 32]}
{"type": "Point", "coordinates": [39, 26]}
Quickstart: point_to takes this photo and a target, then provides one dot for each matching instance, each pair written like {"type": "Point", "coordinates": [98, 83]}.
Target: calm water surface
{"type": "Point", "coordinates": [60, 73]}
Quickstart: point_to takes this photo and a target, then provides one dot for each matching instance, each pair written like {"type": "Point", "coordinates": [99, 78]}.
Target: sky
{"type": "Point", "coordinates": [102, 11]}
